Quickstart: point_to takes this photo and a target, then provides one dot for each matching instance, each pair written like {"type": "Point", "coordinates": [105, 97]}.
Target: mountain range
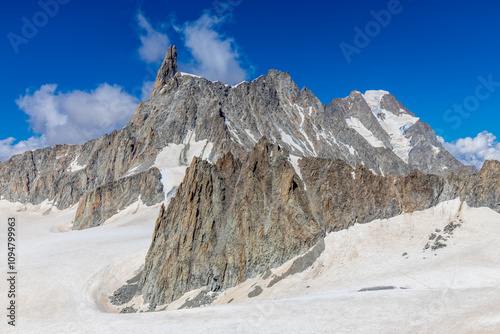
{"type": "Point", "coordinates": [249, 176]}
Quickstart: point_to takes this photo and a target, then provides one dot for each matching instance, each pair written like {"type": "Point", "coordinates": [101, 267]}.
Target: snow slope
{"type": "Point", "coordinates": [173, 160]}
{"type": "Point", "coordinates": [394, 125]}
{"type": "Point", "coordinates": [356, 124]}
{"type": "Point", "coordinates": [66, 277]}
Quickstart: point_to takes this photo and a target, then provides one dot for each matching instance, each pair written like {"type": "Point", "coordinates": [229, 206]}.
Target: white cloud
{"type": "Point", "coordinates": [215, 56]}
{"type": "Point", "coordinates": [154, 44]}
{"type": "Point", "coordinates": [8, 148]}
{"type": "Point", "coordinates": [77, 116]}
{"type": "Point", "coordinates": [474, 151]}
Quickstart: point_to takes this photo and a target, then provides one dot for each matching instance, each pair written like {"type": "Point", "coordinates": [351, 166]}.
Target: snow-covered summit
{"type": "Point", "coordinates": [373, 97]}
{"type": "Point", "coordinates": [395, 122]}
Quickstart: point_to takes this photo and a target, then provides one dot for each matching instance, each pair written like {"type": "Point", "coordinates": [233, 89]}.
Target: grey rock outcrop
{"type": "Point", "coordinates": [483, 190]}
{"type": "Point", "coordinates": [425, 151]}
{"type": "Point", "coordinates": [35, 176]}
{"type": "Point", "coordinates": [103, 202]}
{"type": "Point", "coordinates": [238, 218]}
{"type": "Point", "coordinates": [229, 222]}
{"type": "Point", "coordinates": [341, 196]}
{"type": "Point", "coordinates": [428, 154]}
{"type": "Point", "coordinates": [355, 105]}
{"type": "Point", "coordinates": [69, 174]}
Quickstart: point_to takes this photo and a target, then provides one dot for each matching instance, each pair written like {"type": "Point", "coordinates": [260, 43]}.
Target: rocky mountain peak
{"type": "Point", "coordinates": [167, 70]}
{"type": "Point", "coordinates": [229, 221]}
{"type": "Point", "coordinates": [191, 116]}
{"type": "Point", "coordinates": [355, 93]}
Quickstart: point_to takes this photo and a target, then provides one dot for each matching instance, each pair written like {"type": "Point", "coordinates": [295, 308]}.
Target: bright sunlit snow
{"type": "Point", "coordinates": [356, 124]}
{"type": "Point", "coordinates": [295, 163]}
{"type": "Point", "coordinates": [173, 160]}
{"type": "Point", "coordinates": [65, 278]}
{"type": "Point", "coordinates": [74, 166]}
{"type": "Point", "coordinates": [395, 126]}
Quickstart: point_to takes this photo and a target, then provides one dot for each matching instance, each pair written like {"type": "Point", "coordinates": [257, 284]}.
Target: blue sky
{"type": "Point", "coordinates": [73, 70]}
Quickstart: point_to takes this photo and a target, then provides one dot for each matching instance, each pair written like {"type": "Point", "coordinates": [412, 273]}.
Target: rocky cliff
{"type": "Point", "coordinates": [274, 170]}
{"type": "Point", "coordinates": [103, 202]}
{"type": "Point", "coordinates": [238, 218]}
{"type": "Point", "coordinates": [384, 122]}
{"type": "Point", "coordinates": [341, 195]}
{"type": "Point", "coordinates": [167, 70]}
{"type": "Point", "coordinates": [228, 222]}
{"type": "Point", "coordinates": [482, 189]}
{"type": "Point", "coordinates": [71, 174]}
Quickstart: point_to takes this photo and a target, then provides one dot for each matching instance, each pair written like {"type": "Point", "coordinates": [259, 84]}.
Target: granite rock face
{"type": "Point", "coordinates": [228, 222]}
{"type": "Point", "coordinates": [238, 218]}
{"type": "Point", "coordinates": [69, 174]}
{"type": "Point", "coordinates": [341, 196]}
{"type": "Point", "coordinates": [104, 201]}
{"type": "Point", "coordinates": [35, 176]}
{"type": "Point", "coordinates": [483, 190]}
{"type": "Point", "coordinates": [356, 106]}
{"type": "Point", "coordinates": [167, 70]}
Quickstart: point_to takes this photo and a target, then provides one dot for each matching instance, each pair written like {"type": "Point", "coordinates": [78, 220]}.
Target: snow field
{"type": "Point", "coordinates": [66, 277]}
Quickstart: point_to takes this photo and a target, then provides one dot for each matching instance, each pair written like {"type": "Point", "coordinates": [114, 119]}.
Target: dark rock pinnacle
{"type": "Point", "coordinates": [167, 70]}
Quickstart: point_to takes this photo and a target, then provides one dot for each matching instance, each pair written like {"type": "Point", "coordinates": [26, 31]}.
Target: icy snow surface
{"type": "Point", "coordinates": [249, 133]}
{"type": "Point", "coordinates": [65, 278]}
{"type": "Point", "coordinates": [191, 75]}
{"type": "Point", "coordinates": [74, 166]}
{"type": "Point", "coordinates": [170, 160]}
{"type": "Point", "coordinates": [295, 163]}
{"type": "Point", "coordinates": [395, 126]}
{"type": "Point", "coordinates": [356, 124]}
{"type": "Point", "coordinates": [290, 140]}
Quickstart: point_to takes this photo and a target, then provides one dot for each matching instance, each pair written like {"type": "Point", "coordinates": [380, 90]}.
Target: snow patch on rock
{"type": "Point", "coordinates": [356, 124]}
{"type": "Point", "coordinates": [173, 160]}
{"type": "Point", "coordinates": [294, 160]}
{"type": "Point", "coordinates": [395, 126]}
{"type": "Point", "coordinates": [74, 166]}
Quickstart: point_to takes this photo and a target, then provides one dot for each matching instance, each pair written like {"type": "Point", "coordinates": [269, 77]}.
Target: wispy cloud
{"type": "Point", "coordinates": [147, 89]}
{"type": "Point", "coordinates": [154, 44]}
{"type": "Point", "coordinates": [70, 118]}
{"type": "Point", "coordinates": [474, 151]}
{"type": "Point", "coordinates": [215, 56]}
{"type": "Point", "coordinates": [78, 116]}
{"type": "Point", "coordinates": [74, 117]}
{"type": "Point", "coordinates": [8, 148]}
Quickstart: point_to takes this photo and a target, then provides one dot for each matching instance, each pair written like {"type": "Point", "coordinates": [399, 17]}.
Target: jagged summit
{"type": "Point", "coordinates": [384, 122]}
{"type": "Point", "coordinates": [194, 116]}
{"type": "Point", "coordinates": [167, 70]}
